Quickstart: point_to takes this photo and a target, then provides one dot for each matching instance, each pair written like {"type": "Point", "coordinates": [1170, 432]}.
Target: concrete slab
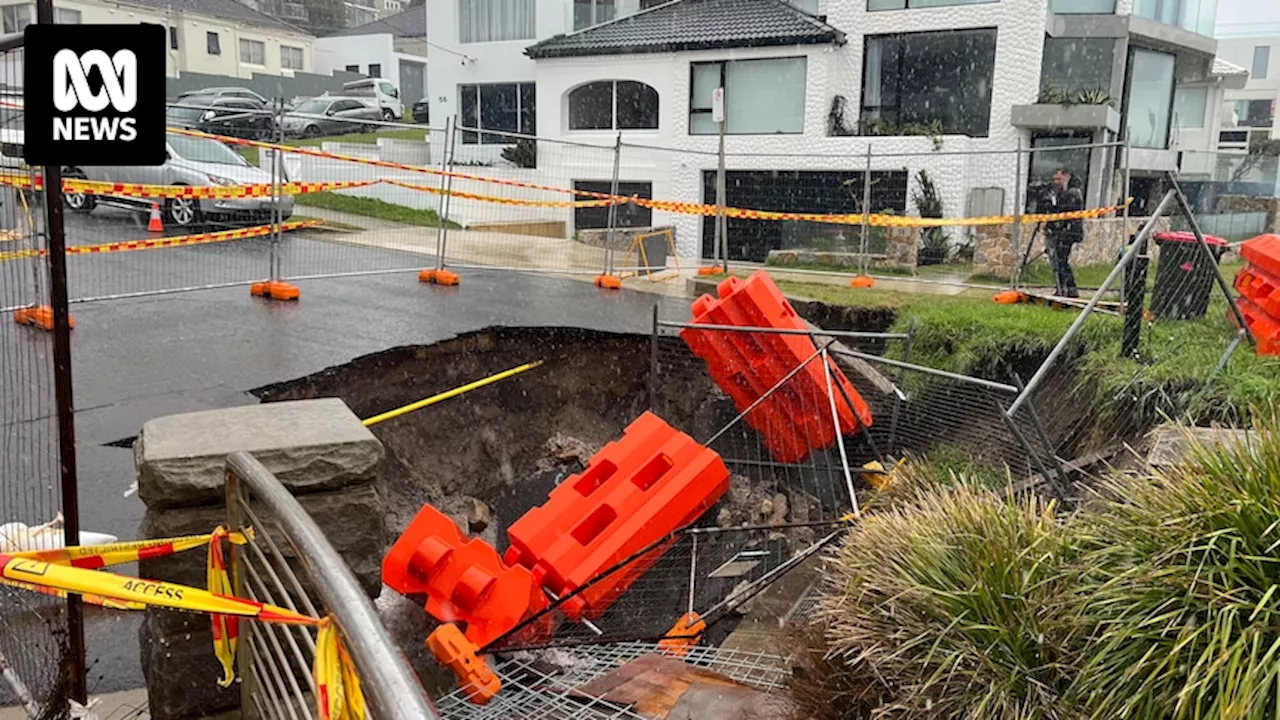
{"type": "Point", "coordinates": [1172, 443]}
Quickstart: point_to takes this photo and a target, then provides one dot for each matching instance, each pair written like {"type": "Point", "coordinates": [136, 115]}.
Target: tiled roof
{"type": "Point", "coordinates": [694, 25]}
{"type": "Point", "coordinates": [220, 9]}
{"type": "Point", "coordinates": [1223, 68]}
{"type": "Point", "coordinates": [411, 23]}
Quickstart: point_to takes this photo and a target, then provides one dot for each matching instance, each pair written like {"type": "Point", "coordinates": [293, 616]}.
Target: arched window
{"type": "Point", "coordinates": [613, 105]}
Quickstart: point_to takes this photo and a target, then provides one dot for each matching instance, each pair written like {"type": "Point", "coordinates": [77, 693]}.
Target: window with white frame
{"type": "Point", "coordinates": [761, 97]}
{"type": "Point", "coordinates": [918, 4]}
{"type": "Point", "coordinates": [613, 105]}
{"type": "Point", "coordinates": [1189, 106]}
{"type": "Point", "coordinates": [592, 12]}
{"type": "Point", "coordinates": [290, 57]}
{"type": "Point", "coordinates": [253, 52]}
{"type": "Point", "coordinates": [212, 44]}
{"type": "Point", "coordinates": [496, 20]}
{"type": "Point", "coordinates": [16, 17]}
{"type": "Point", "coordinates": [809, 6]}
{"type": "Point", "coordinates": [497, 107]}
{"type": "Point", "coordinates": [63, 16]}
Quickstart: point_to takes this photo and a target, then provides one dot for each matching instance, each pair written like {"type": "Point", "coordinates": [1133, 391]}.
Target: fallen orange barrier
{"type": "Point", "coordinates": [796, 419]}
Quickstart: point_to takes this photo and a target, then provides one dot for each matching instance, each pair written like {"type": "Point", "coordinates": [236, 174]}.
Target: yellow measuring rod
{"type": "Point", "coordinates": [450, 393]}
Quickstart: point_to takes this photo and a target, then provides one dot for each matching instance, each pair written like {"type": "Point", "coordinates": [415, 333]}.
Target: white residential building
{"type": "Point", "coordinates": [946, 86]}
{"type": "Point", "coordinates": [219, 37]}
{"type": "Point", "coordinates": [394, 47]}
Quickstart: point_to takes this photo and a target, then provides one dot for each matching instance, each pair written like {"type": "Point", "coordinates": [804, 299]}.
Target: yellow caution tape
{"type": "Point", "coordinates": [96, 556]}
{"type": "Point", "coordinates": [203, 192]}
{"type": "Point", "coordinates": [90, 599]}
{"type": "Point", "coordinates": [449, 394]}
{"type": "Point", "coordinates": [338, 693]}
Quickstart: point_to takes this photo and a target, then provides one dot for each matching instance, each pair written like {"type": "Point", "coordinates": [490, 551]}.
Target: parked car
{"type": "Point", "coordinates": [190, 161]}
{"type": "Point", "coordinates": [383, 92]}
{"type": "Point", "coordinates": [227, 92]}
{"type": "Point", "coordinates": [232, 116]}
{"type": "Point", "coordinates": [421, 111]}
{"type": "Point", "coordinates": [12, 133]}
{"type": "Point", "coordinates": [328, 115]}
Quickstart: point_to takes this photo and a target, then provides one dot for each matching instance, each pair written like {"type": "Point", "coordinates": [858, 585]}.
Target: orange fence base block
{"type": "Point", "coordinates": [275, 290]}
{"type": "Point", "coordinates": [439, 277]}
{"type": "Point", "coordinates": [459, 654]}
{"type": "Point", "coordinates": [1008, 297]}
{"type": "Point", "coordinates": [40, 316]}
{"type": "Point", "coordinates": [711, 270]}
{"type": "Point", "coordinates": [609, 282]}
{"type": "Point", "coordinates": [862, 281]}
{"type": "Point", "coordinates": [686, 633]}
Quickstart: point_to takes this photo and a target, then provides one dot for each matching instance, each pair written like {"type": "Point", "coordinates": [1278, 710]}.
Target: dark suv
{"type": "Point", "coordinates": [236, 117]}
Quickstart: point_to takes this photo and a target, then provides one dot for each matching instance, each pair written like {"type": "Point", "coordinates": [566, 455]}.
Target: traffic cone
{"type": "Point", "coordinates": [155, 225]}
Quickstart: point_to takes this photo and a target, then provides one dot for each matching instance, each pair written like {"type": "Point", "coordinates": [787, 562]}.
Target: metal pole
{"type": "Point", "coordinates": [1217, 272]}
{"type": "Point", "coordinates": [1018, 197]}
{"type": "Point", "coordinates": [835, 424]}
{"type": "Point", "coordinates": [1226, 356]}
{"type": "Point", "coordinates": [73, 662]}
{"type": "Point", "coordinates": [866, 211]}
{"type": "Point", "coordinates": [653, 362]}
{"type": "Point", "coordinates": [443, 220]}
{"type": "Point", "coordinates": [276, 167]}
{"type": "Point", "coordinates": [1043, 434]}
{"type": "Point", "coordinates": [609, 239]}
{"type": "Point", "coordinates": [693, 573]}
{"type": "Point", "coordinates": [1143, 235]}
{"type": "Point", "coordinates": [444, 176]}
{"type": "Point", "coordinates": [721, 242]}
{"type": "Point", "coordinates": [1124, 148]}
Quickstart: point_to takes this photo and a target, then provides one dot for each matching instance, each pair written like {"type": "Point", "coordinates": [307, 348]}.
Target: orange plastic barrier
{"type": "Point", "coordinates": [633, 493]}
{"type": "Point", "coordinates": [797, 418]}
{"type": "Point", "coordinates": [462, 579]}
{"type": "Point", "coordinates": [1261, 288]}
{"type": "Point", "coordinates": [1263, 252]}
{"type": "Point", "coordinates": [1265, 328]}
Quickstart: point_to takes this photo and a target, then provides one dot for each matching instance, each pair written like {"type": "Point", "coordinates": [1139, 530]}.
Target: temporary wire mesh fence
{"type": "Point", "coordinates": [33, 627]}
{"type": "Point", "coordinates": [1161, 340]}
{"type": "Point", "coordinates": [556, 683]}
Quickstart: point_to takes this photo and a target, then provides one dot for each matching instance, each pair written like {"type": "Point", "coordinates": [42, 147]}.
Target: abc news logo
{"type": "Point", "coordinates": [95, 95]}
{"type": "Point", "coordinates": [71, 91]}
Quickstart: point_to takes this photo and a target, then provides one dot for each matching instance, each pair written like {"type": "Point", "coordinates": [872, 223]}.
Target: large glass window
{"type": "Point", "coordinates": [927, 80]}
{"type": "Point", "coordinates": [761, 97]}
{"type": "Point", "coordinates": [1072, 65]}
{"type": "Point", "coordinates": [1189, 106]}
{"type": "Point", "coordinates": [916, 4]}
{"type": "Point", "coordinates": [496, 20]}
{"type": "Point", "coordinates": [1082, 7]}
{"type": "Point", "coordinates": [1261, 58]}
{"type": "Point", "coordinates": [1195, 15]}
{"type": "Point", "coordinates": [500, 107]}
{"type": "Point", "coordinates": [629, 215]}
{"type": "Point", "coordinates": [1255, 113]}
{"type": "Point", "coordinates": [613, 105]}
{"type": "Point", "coordinates": [592, 12]}
{"type": "Point", "coordinates": [1150, 98]}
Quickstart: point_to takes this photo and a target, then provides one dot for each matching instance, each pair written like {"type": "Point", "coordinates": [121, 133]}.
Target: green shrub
{"type": "Point", "coordinates": [949, 597]}
{"type": "Point", "coordinates": [1176, 590]}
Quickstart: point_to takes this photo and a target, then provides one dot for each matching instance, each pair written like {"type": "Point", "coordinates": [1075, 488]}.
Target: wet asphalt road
{"type": "Point", "coordinates": [139, 358]}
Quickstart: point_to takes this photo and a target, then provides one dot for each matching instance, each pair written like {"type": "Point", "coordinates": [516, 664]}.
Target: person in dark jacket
{"type": "Point", "coordinates": [1062, 235]}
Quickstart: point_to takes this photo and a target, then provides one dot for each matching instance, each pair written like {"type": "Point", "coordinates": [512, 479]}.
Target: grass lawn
{"type": "Point", "coordinates": [970, 334]}
{"type": "Point", "coordinates": [371, 207]}
{"type": "Point", "coordinates": [328, 224]}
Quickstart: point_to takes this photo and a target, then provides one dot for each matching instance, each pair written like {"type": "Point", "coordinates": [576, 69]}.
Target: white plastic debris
{"type": "Point", "coordinates": [18, 537]}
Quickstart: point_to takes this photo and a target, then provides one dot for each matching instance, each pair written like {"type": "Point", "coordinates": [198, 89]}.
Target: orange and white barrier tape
{"type": "Point", "coordinates": [339, 696]}
{"type": "Point", "coordinates": [176, 241]}
{"type": "Point", "coordinates": [619, 200]}
{"type": "Point", "coordinates": [200, 192]}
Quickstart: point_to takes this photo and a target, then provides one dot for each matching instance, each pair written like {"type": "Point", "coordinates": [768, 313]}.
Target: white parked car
{"type": "Point", "coordinates": [12, 134]}
{"type": "Point", "coordinates": [383, 92]}
{"type": "Point", "coordinates": [190, 161]}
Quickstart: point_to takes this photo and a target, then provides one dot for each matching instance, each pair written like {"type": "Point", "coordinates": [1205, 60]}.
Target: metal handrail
{"type": "Point", "coordinates": [390, 686]}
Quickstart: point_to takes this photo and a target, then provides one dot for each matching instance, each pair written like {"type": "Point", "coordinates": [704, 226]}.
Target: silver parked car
{"type": "Point", "coordinates": [329, 115]}
{"type": "Point", "coordinates": [191, 161]}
